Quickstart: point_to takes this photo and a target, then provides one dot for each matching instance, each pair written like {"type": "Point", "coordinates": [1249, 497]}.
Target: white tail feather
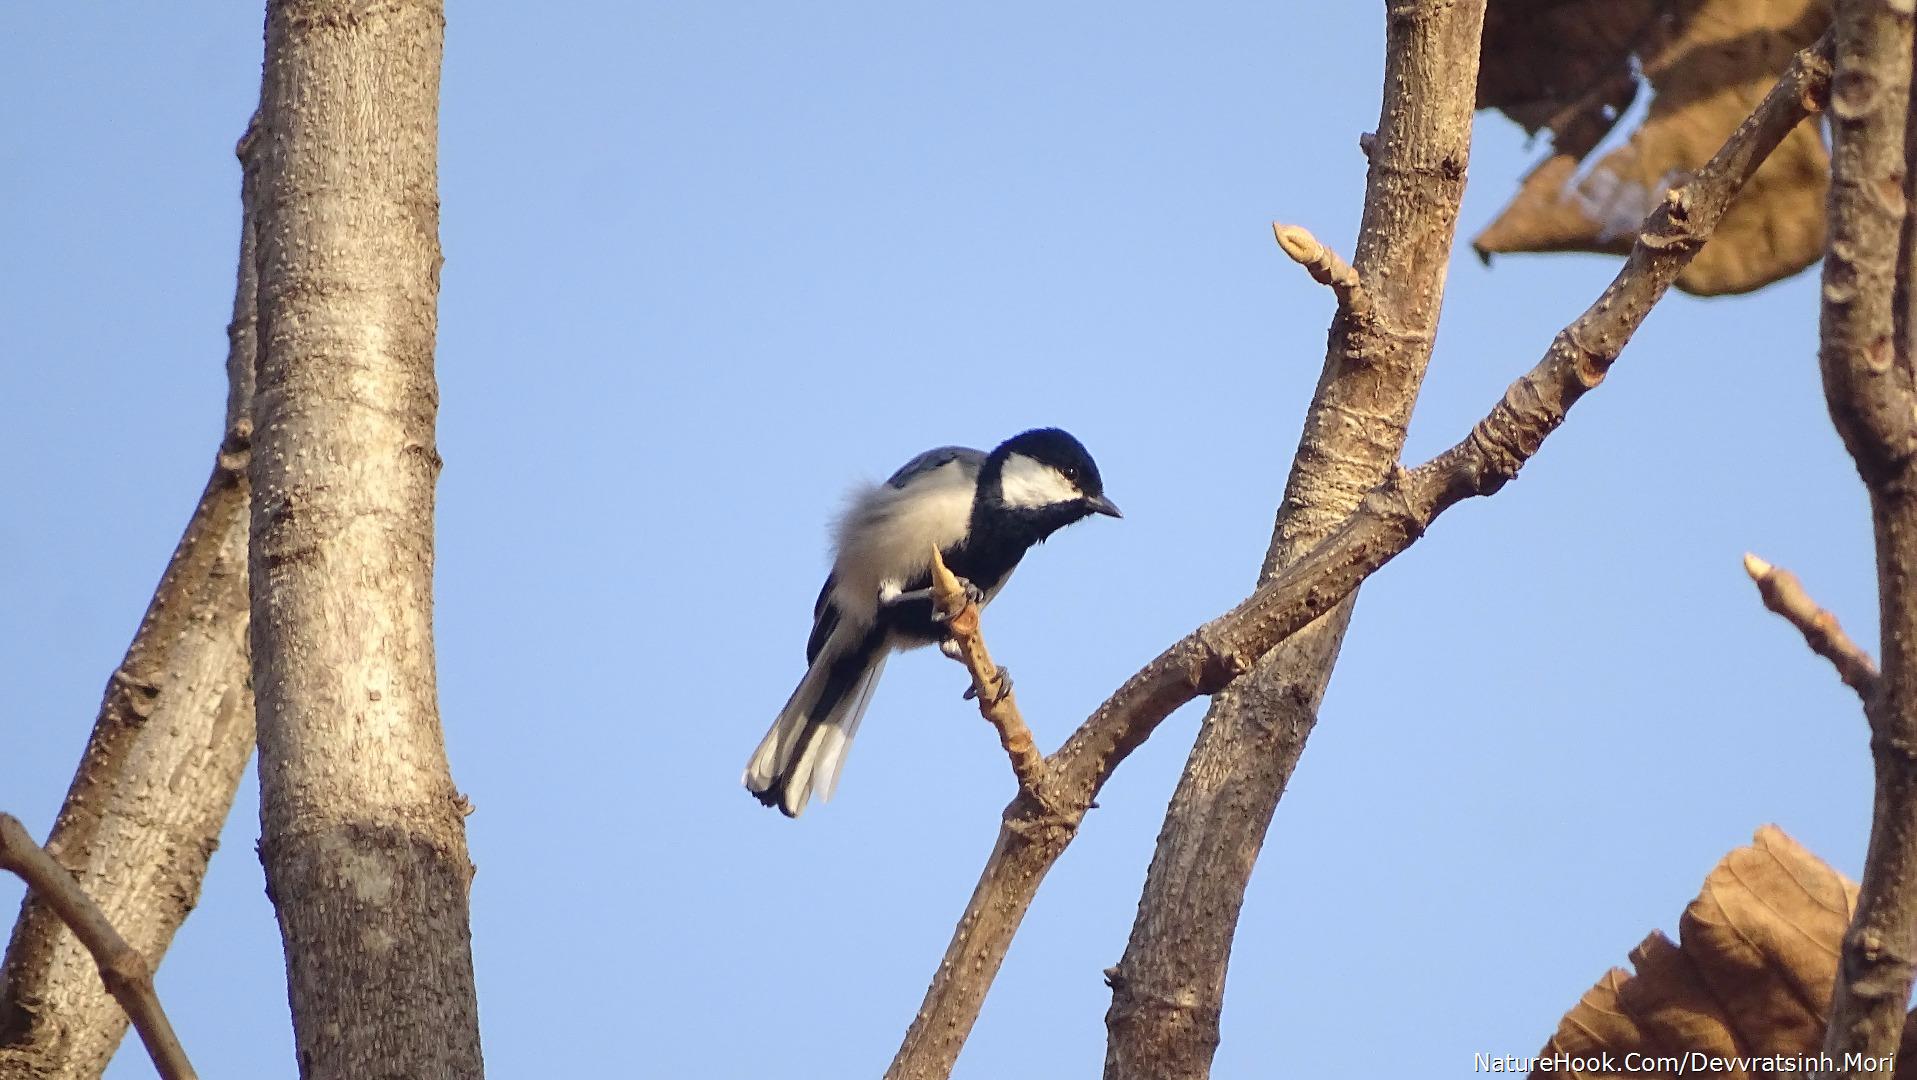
{"type": "Point", "coordinates": [802, 755]}
{"type": "Point", "coordinates": [781, 742]}
{"type": "Point", "coordinates": [836, 738]}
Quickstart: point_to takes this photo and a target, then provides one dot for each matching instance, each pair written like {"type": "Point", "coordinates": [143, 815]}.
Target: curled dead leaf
{"type": "Point", "coordinates": [1573, 66]}
{"type": "Point", "coordinates": [1751, 975]}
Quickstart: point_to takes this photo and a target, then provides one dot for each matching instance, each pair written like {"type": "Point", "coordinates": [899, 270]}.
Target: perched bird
{"type": "Point", "coordinates": [983, 511]}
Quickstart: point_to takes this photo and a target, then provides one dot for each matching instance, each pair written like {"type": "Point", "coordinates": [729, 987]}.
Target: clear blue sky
{"type": "Point", "coordinates": [707, 264]}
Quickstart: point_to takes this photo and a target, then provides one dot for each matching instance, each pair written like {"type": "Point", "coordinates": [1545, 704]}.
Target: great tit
{"type": "Point", "coordinates": [983, 511]}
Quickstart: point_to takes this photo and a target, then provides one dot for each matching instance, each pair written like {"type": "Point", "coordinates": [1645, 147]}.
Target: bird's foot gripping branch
{"type": "Point", "coordinates": [958, 610]}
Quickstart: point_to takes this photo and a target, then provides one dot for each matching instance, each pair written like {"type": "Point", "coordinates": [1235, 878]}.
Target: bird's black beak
{"type": "Point", "coordinates": [1101, 505]}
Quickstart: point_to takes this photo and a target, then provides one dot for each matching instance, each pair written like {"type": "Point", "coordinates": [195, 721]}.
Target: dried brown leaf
{"type": "Point", "coordinates": [1597, 1026]}
{"type": "Point", "coordinates": [1567, 65]}
{"type": "Point", "coordinates": [1764, 934]}
{"type": "Point", "coordinates": [1751, 977]}
{"type": "Point", "coordinates": [1563, 64]}
{"type": "Point", "coordinates": [1676, 1012]}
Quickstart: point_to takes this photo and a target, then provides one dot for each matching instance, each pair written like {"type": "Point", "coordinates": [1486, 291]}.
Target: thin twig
{"type": "Point", "coordinates": [1326, 268]}
{"type": "Point", "coordinates": [995, 701]}
{"type": "Point", "coordinates": [124, 971]}
{"type": "Point", "coordinates": [1035, 832]}
{"type": "Point", "coordinates": [1785, 595]}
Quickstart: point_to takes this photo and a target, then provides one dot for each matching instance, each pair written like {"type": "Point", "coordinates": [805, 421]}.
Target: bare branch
{"type": "Point", "coordinates": [1326, 268]}
{"type": "Point", "coordinates": [1865, 356]}
{"type": "Point", "coordinates": [362, 831]}
{"type": "Point", "coordinates": [1866, 382]}
{"type": "Point", "coordinates": [1785, 595]}
{"type": "Point", "coordinates": [177, 720]}
{"type": "Point", "coordinates": [125, 972]}
{"type": "Point", "coordinates": [1168, 989]}
{"type": "Point", "coordinates": [1390, 518]}
{"type": "Point", "coordinates": [1396, 512]}
{"type": "Point", "coordinates": [995, 701]}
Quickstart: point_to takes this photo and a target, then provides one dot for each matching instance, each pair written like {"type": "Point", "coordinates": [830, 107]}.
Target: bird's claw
{"type": "Point", "coordinates": [1001, 687]}
{"type": "Point", "coordinates": [974, 596]}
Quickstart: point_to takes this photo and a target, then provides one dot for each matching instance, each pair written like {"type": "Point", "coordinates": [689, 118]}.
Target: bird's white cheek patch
{"type": "Point", "coordinates": [1030, 483]}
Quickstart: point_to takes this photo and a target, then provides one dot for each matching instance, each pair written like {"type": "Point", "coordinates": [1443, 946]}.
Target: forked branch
{"type": "Point", "coordinates": [1036, 831]}
{"type": "Point", "coordinates": [124, 971]}
{"type": "Point", "coordinates": [1168, 987]}
{"type": "Point", "coordinates": [1398, 511]}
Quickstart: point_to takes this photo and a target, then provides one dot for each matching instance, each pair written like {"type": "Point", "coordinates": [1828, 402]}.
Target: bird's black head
{"type": "Point", "coordinates": [1046, 470]}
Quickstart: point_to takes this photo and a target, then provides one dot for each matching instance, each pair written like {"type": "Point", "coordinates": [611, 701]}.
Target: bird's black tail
{"type": "Point", "coordinates": [806, 747]}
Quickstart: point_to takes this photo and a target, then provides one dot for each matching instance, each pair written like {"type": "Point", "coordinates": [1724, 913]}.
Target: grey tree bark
{"type": "Point", "coordinates": [1168, 989]}
{"type": "Point", "coordinates": [1869, 365]}
{"type": "Point", "coordinates": [157, 778]}
{"type": "Point", "coordinates": [363, 833]}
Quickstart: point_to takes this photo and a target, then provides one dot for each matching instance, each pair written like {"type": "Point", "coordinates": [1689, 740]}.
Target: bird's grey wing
{"type": "Point", "coordinates": [968, 458]}
{"type": "Point", "coordinates": [825, 619]}
{"type": "Point", "coordinates": [886, 536]}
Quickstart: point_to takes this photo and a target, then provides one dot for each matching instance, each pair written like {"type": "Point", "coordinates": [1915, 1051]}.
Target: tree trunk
{"type": "Point", "coordinates": [1168, 989]}
{"type": "Point", "coordinates": [363, 836]}
{"type": "Point", "coordinates": [157, 778]}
